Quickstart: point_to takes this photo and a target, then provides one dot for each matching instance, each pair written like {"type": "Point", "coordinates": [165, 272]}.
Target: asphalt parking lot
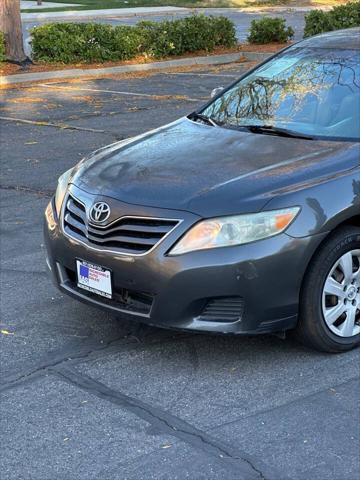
{"type": "Point", "coordinates": [86, 395]}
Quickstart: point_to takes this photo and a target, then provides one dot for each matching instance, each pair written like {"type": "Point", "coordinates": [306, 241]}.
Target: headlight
{"type": "Point", "coordinates": [61, 190]}
{"type": "Point", "coordinates": [235, 230]}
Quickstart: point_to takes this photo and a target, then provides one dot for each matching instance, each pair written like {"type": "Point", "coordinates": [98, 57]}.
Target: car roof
{"type": "Point", "coordinates": [338, 39]}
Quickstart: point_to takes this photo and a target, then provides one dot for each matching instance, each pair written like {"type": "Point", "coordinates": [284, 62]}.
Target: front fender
{"type": "Point", "coordinates": [324, 206]}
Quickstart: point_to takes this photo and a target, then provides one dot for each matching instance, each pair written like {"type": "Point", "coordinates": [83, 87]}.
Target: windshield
{"type": "Point", "coordinates": [306, 90]}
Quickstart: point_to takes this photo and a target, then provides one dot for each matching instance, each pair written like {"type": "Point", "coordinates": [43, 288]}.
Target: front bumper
{"type": "Point", "coordinates": [258, 283]}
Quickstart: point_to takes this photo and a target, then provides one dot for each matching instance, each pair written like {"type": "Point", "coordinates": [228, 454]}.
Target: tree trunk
{"type": "Point", "coordinates": [10, 25]}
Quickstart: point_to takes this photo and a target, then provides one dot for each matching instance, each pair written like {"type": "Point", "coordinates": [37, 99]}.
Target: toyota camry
{"type": "Point", "coordinates": [242, 217]}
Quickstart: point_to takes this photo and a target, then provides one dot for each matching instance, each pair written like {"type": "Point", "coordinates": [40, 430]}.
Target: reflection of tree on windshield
{"type": "Point", "coordinates": [310, 91]}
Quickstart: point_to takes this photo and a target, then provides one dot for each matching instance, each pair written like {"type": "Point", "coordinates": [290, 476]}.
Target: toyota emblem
{"type": "Point", "coordinates": [99, 212]}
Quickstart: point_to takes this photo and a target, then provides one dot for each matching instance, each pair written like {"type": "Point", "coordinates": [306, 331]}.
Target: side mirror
{"type": "Point", "coordinates": [216, 92]}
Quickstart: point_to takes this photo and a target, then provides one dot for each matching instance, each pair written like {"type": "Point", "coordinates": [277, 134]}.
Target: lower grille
{"type": "Point", "coordinates": [123, 299]}
{"type": "Point", "coordinates": [224, 309]}
{"type": "Point", "coordinates": [129, 235]}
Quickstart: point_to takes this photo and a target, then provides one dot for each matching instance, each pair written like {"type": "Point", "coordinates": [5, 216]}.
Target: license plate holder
{"type": "Point", "coordinates": [94, 278]}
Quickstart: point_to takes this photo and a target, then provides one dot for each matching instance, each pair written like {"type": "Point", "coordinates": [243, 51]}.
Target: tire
{"type": "Point", "coordinates": [325, 273]}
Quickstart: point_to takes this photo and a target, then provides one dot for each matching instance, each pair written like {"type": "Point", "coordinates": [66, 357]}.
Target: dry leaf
{"type": "Point", "coordinates": [6, 332]}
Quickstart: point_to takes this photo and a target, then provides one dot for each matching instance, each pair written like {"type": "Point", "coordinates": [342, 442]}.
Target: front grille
{"type": "Point", "coordinates": [122, 299]}
{"type": "Point", "coordinates": [131, 235]}
{"type": "Point", "coordinates": [224, 309]}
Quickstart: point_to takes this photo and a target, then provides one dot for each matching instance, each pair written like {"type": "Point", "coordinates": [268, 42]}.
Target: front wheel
{"type": "Point", "coordinates": [329, 317]}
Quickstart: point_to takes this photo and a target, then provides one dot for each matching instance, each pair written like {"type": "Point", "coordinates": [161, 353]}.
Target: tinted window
{"type": "Point", "coordinates": [306, 90]}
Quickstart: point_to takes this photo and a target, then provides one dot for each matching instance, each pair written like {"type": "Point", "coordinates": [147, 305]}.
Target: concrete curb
{"type": "Point", "coordinates": [257, 56]}
{"type": "Point", "coordinates": [144, 67]}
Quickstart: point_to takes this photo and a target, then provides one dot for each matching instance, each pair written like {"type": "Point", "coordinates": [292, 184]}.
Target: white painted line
{"type": "Point", "coordinates": [204, 74]}
{"type": "Point", "coordinates": [132, 94]}
{"type": "Point", "coordinates": [117, 92]}
{"type": "Point", "coordinates": [62, 126]}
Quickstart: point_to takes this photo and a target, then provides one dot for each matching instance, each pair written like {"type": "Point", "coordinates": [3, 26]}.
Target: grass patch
{"type": "Point", "coordinates": [105, 4]}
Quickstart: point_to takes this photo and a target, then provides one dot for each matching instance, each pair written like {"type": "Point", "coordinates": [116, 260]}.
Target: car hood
{"type": "Point", "coordinates": [208, 170]}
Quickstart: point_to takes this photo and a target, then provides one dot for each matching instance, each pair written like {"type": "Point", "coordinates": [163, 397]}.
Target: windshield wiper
{"type": "Point", "coordinates": [272, 130]}
{"type": "Point", "coordinates": [208, 120]}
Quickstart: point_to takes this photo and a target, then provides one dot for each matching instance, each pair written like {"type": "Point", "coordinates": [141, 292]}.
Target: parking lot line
{"type": "Point", "coordinates": [63, 126]}
{"type": "Point", "coordinates": [120, 92]}
{"type": "Point", "coordinates": [203, 74]}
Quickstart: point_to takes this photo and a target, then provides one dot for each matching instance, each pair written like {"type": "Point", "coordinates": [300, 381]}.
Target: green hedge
{"type": "Point", "coordinates": [343, 16]}
{"type": "Point", "coordinates": [267, 30]}
{"type": "Point", "coordinates": [91, 42]}
{"type": "Point", "coordinates": [2, 47]}
{"type": "Point", "coordinates": [190, 34]}
{"type": "Point", "coordinates": [83, 42]}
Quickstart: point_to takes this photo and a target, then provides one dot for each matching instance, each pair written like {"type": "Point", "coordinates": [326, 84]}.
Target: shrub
{"type": "Point", "coordinates": [343, 16]}
{"type": "Point", "coordinates": [161, 39]}
{"type": "Point", "coordinates": [83, 42]}
{"type": "Point", "coordinates": [189, 34]}
{"type": "Point", "coordinates": [90, 42]}
{"type": "Point", "coordinates": [2, 47]}
{"type": "Point", "coordinates": [268, 30]}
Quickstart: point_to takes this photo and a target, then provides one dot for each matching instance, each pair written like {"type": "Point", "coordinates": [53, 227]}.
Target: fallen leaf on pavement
{"type": "Point", "coordinates": [6, 332]}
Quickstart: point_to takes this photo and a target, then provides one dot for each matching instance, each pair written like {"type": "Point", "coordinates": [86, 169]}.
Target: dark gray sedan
{"type": "Point", "coordinates": [243, 217]}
